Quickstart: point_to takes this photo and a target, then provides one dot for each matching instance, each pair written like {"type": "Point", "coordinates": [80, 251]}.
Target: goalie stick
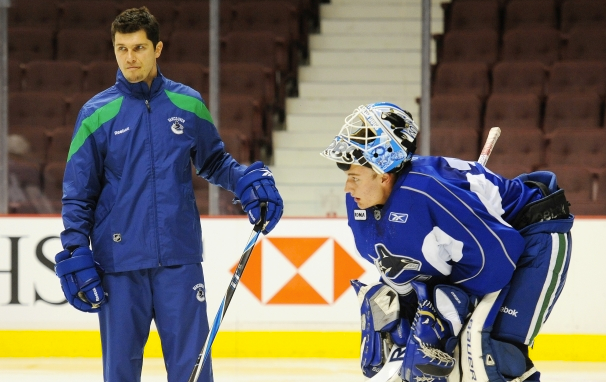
{"type": "Point", "coordinates": [394, 360]}
{"type": "Point", "coordinates": [491, 140]}
{"type": "Point", "coordinates": [195, 373]}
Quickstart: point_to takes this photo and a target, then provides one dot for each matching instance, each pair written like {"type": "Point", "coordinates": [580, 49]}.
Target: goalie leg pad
{"type": "Point", "coordinates": [485, 359]}
{"type": "Point", "coordinates": [381, 325]}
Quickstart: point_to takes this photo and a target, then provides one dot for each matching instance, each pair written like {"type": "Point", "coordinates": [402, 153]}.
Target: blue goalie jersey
{"type": "Point", "coordinates": [446, 221]}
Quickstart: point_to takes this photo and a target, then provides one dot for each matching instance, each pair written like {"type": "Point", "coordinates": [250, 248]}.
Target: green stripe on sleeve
{"type": "Point", "coordinates": [190, 104]}
{"type": "Point", "coordinates": [91, 123]}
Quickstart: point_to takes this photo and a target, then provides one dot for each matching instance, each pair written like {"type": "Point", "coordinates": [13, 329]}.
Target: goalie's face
{"type": "Point", "coordinates": [367, 187]}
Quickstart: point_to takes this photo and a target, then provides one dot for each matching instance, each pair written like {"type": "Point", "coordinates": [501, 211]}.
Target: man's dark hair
{"type": "Point", "coordinates": [136, 19]}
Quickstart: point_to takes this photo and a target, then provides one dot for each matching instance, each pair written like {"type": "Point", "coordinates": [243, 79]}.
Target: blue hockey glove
{"type": "Point", "coordinates": [256, 186]}
{"type": "Point", "coordinates": [80, 281]}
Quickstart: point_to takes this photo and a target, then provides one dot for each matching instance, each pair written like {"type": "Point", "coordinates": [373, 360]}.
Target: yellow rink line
{"type": "Point", "coordinates": [29, 343]}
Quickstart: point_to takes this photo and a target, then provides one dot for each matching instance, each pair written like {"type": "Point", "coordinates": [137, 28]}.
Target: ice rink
{"type": "Point", "coordinates": [251, 370]}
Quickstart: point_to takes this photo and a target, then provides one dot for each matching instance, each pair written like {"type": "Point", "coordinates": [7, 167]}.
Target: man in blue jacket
{"type": "Point", "coordinates": [464, 255]}
{"type": "Point", "coordinates": [127, 191]}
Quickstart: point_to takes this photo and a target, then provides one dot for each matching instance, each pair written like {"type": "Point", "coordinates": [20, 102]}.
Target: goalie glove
{"type": "Point", "coordinates": [80, 281]}
{"type": "Point", "coordinates": [425, 359]}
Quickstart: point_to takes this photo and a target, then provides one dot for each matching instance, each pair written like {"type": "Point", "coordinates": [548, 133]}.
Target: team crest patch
{"type": "Point", "coordinates": [200, 292]}
{"type": "Point", "coordinates": [177, 125]}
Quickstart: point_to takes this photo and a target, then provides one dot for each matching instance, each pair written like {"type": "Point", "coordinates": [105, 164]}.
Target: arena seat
{"type": "Point", "coordinates": [535, 13]}
{"type": "Point", "coordinates": [85, 45]}
{"type": "Point", "coordinates": [36, 108]}
{"type": "Point", "coordinates": [455, 142]}
{"type": "Point", "coordinates": [474, 15]}
{"type": "Point", "coordinates": [456, 111]}
{"type": "Point", "coordinates": [100, 75]}
{"type": "Point", "coordinates": [513, 111]}
{"type": "Point", "coordinates": [578, 76]}
{"type": "Point", "coordinates": [519, 77]}
{"type": "Point", "coordinates": [531, 44]}
{"type": "Point", "coordinates": [50, 75]}
{"type": "Point", "coordinates": [30, 43]}
{"type": "Point", "coordinates": [462, 77]}
{"type": "Point", "coordinates": [584, 13]}
{"type": "Point", "coordinates": [572, 111]}
{"type": "Point", "coordinates": [97, 14]}
{"type": "Point", "coordinates": [518, 145]}
{"type": "Point", "coordinates": [577, 147]}
{"type": "Point", "coordinates": [468, 46]}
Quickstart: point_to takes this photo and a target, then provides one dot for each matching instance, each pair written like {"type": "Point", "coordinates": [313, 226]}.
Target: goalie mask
{"type": "Point", "coordinates": [381, 136]}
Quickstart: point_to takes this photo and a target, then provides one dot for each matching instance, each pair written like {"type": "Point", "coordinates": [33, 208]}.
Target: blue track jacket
{"type": "Point", "coordinates": [128, 180]}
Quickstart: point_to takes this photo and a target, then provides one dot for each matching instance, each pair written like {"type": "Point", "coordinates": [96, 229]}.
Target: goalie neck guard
{"type": "Point", "coordinates": [381, 136]}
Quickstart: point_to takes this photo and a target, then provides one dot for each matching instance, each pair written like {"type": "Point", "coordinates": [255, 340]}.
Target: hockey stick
{"type": "Point", "coordinates": [491, 140]}
{"type": "Point", "coordinates": [254, 235]}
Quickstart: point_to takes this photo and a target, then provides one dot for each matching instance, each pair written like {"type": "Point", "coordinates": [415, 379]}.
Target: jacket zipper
{"type": "Point", "coordinates": [153, 173]}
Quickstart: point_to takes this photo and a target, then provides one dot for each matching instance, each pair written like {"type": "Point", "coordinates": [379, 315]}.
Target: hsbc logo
{"type": "Point", "coordinates": [398, 217]}
{"type": "Point", "coordinates": [299, 271]}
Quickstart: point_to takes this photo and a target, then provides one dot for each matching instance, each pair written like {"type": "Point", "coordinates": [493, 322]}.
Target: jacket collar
{"type": "Point", "coordinates": [140, 89]}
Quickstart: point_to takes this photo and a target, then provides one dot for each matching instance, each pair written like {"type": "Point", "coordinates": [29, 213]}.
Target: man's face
{"type": "Point", "coordinates": [367, 187]}
{"type": "Point", "coordinates": [136, 56]}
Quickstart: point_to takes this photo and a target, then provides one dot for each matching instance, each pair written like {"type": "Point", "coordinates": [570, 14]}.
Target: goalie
{"type": "Point", "coordinates": [466, 256]}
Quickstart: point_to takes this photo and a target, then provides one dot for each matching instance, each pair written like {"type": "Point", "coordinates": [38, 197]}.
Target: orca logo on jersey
{"type": "Point", "coordinates": [360, 214]}
{"type": "Point", "coordinates": [398, 217]}
{"type": "Point", "coordinates": [392, 266]}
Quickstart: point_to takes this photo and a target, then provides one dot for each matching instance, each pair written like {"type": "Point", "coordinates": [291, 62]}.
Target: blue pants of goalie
{"type": "Point", "coordinates": [537, 282]}
{"type": "Point", "coordinates": [174, 297]}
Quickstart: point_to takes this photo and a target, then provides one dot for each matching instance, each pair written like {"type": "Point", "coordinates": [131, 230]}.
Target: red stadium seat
{"type": "Point", "coordinates": [456, 111]}
{"type": "Point", "coordinates": [470, 46]}
{"type": "Point", "coordinates": [572, 111]}
{"type": "Point", "coordinates": [462, 77]}
{"type": "Point", "coordinates": [579, 147]}
{"type": "Point", "coordinates": [97, 14]}
{"type": "Point", "coordinates": [535, 13]}
{"type": "Point", "coordinates": [46, 75]}
{"type": "Point", "coordinates": [518, 145]}
{"type": "Point", "coordinates": [519, 78]}
{"type": "Point", "coordinates": [100, 75]}
{"type": "Point", "coordinates": [455, 142]}
{"type": "Point", "coordinates": [578, 76]}
{"type": "Point", "coordinates": [583, 13]}
{"type": "Point", "coordinates": [30, 43]}
{"type": "Point", "coordinates": [585, 43]}
{"type": "Point", "coordinates": [85, 45]}
{"type": "Point", "coordinates": [474, 15]}
{"type": "Point", "coordinates": [36, 108]}
{"type": "Point", "coordinates": [532, 44]}
{"type": "Point", "coordinates": [513, 111]}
